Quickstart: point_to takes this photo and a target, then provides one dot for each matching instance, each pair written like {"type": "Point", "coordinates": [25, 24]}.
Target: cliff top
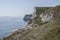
{"type": "Point", "coordinates": [38, 31]}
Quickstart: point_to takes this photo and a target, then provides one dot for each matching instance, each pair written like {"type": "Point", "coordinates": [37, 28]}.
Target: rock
{"type": "Point", "coordinates": [27, 17]}
{"type": "Point", "coordinates": [47, 16]}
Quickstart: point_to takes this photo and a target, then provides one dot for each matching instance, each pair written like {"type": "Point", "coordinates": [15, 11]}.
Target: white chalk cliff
{"type": "Point", "coordinates": [45, 25]}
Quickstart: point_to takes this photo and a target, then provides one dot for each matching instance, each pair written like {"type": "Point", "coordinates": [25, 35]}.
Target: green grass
{"type": "Point", "coordinates": [40, 10]}
{"type": "Point", "coordinates": [46, 31]}
{"type": "Point", "coordinates": [51, 35]}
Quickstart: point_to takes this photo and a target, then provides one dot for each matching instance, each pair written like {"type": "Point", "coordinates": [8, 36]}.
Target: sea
{"type": "Point", "coordinates": [8, 24]}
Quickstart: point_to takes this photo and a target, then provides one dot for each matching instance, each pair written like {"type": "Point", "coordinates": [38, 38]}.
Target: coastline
{"type": "Point", "coordinates": [16, 30]}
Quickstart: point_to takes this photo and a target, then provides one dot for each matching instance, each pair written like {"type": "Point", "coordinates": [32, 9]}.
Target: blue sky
{"type": "Point", "coordinates": [17, 8]}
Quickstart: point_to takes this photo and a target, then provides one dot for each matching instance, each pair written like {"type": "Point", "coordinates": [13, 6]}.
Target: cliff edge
{"type": "Point", "coordinates": [44, 25]}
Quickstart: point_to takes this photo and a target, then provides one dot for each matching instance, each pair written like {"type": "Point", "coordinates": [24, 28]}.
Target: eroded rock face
{"type": "Point", "coordinates": [27, 17]}
{"type": "Point", "coordinates": [47, 16]}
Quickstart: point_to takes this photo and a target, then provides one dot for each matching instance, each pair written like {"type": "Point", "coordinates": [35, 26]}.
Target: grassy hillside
{"type": "Point", "coordinates": [46, 31]}
{"type": "Point", "coordinates": [39, 10]}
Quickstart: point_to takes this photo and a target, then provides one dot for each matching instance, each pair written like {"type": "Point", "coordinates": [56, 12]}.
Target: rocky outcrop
{"type": "Point", "coordinates": [47, 16]}
{"type": "Point", "coordinates": [27, 17]}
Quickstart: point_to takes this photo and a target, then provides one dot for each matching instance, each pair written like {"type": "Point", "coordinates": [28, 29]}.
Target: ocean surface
{"type": "Point", "coordinates": [7, 24]}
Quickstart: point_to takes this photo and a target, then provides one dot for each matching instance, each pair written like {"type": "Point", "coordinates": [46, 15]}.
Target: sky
{"type": "Point", "coordinates": [18, 8]}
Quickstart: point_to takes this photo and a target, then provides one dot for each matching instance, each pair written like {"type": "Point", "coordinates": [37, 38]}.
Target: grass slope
{"type": "Point", "coordinates": [47, 31]}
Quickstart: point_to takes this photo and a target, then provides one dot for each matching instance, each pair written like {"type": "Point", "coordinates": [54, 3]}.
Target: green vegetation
{"type": "Point", "coordinates": [37, 19]}
{"type": "Point", "coordinates": [51, 35]}
{"type": "Point", "coordinates": [39, 10]}
{"type": "Point", "coordinates": [47, 31]}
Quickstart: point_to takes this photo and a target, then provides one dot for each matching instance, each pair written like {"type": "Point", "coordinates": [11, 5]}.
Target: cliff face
{"type": "Point", "coordinates": [27, 17]}
{"type": "Point", "coordinates": [44, 26]}
{"type": "Point", "coordinates": [47, 16]}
